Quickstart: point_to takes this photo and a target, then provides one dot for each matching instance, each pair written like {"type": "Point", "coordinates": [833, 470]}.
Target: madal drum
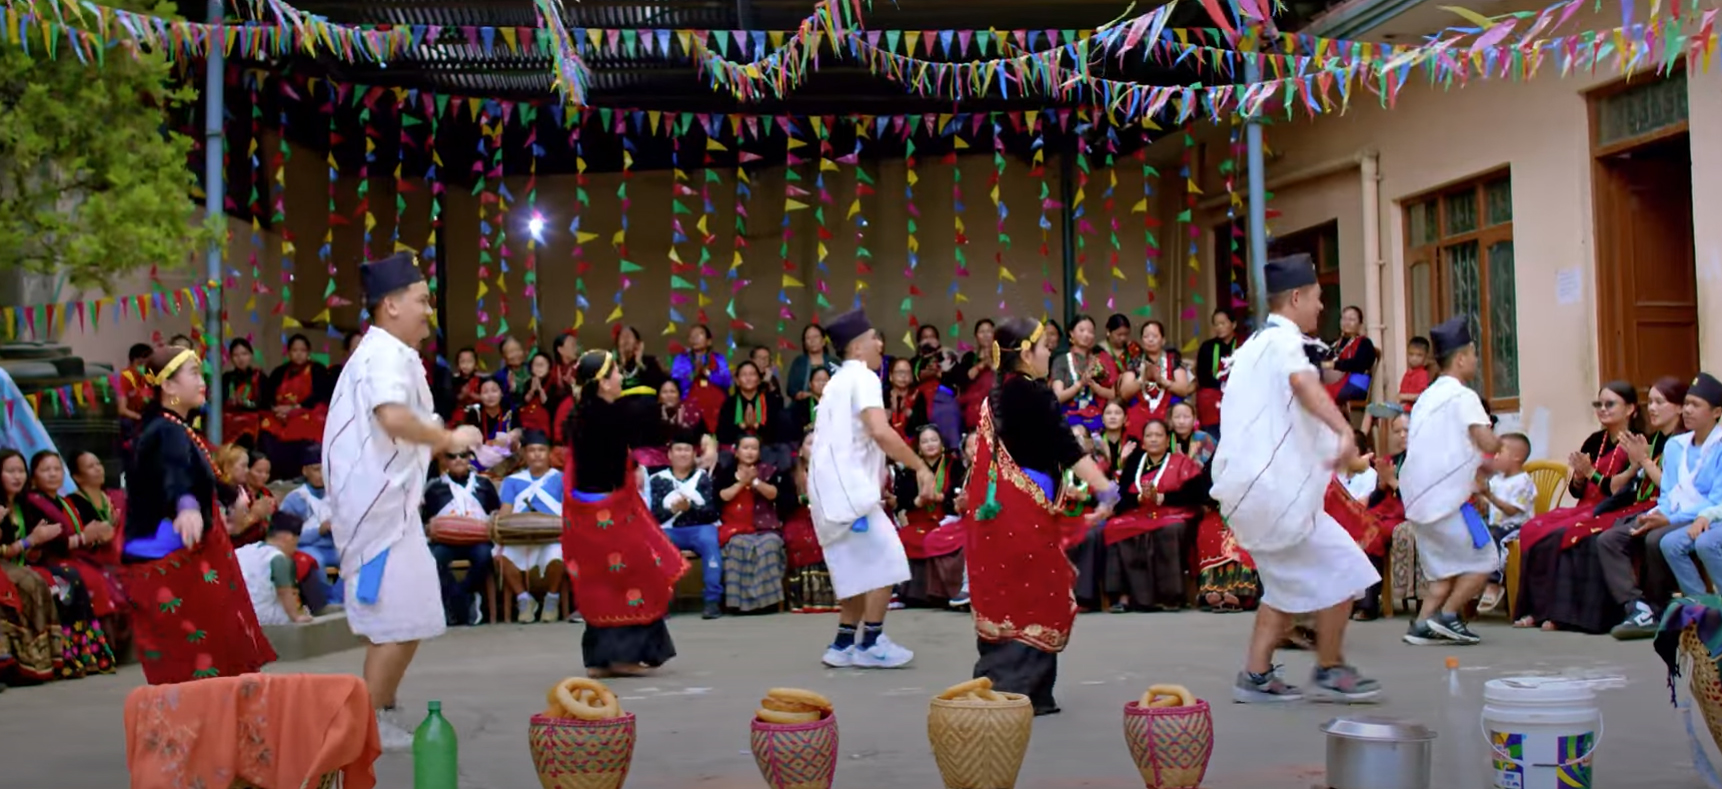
{"type": "Point", "coordinates": [1542, 731]}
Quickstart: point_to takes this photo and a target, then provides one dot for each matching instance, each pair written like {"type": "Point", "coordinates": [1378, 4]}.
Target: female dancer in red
{"type": "Point", "coordinates": [190, 611]}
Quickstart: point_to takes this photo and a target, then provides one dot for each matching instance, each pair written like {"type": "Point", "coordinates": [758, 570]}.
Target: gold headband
{"type": "Point", "coordinates": [172, 367]}
{"type": "Point", "coordinates": [1021, 347]}
{"type": "Point", "coordinates": [603, 369]}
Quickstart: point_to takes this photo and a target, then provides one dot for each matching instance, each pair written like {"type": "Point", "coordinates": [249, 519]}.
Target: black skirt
{"type": "Point", "coordinates": [1149, 568]}
{"type": "Point", "coordinates": [648, 645]}
{"type": "Point", "coordinates": [1089, 557]}
{"type": "Point", "coordinates": [1581, 600]}
{"type": "Point", "coordinates": [1015, 667]}
{"type": "Point", "coordinates": [1535, 597]}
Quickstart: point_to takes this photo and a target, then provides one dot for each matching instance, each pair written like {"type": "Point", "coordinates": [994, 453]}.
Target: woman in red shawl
{"type": "Point", "coordinates": [905, 408]}
{"type": "Point", "coordinates": [535, 404]}
{"type": "Point", "coordinates": [749, 529]}
{"type": "Point", "coordinates": [703, 374]}
{"type": "Point", "coordinates": [297, 395]}
{"type": "Point", "coordinates": [1164, 493]}
{"type": "Point", "coordinates": [1600, 467]}
{"type": "Point", "coordinates": [977, 374]}
{"type": "Point", "coordinates": [84, 553]}
{"type": "Point", "coordinates": [190, 610]}
{"type": "Point", "coordinates": [1211, 360]}
{"type": "Point", "coordinates": [38, 643]}
{"type": "Point", "coordinates": [562, 384]}
{"type": "Point", "coordinates": [935, 573]}
{"type": "Point", "coordinates": [626, 567]}
{"type": "Point", "coordinates": [242, 391]}
{"type": "Point", "coordinates": [1019, 579]}
{"type": "Point", "coordinates": [809, 580]}
{"type": "Point", "coordinates": [1153, 379]}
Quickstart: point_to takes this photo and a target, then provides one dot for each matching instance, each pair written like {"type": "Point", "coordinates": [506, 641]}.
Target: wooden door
{"type": "Point", "coordinates": [1648, 295]}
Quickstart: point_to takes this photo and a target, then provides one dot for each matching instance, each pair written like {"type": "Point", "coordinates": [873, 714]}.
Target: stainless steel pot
{"type": "Point", "coordinates": [1378, 753]}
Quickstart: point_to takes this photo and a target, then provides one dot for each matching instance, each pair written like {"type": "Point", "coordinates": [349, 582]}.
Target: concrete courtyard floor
{"type": "Point", "coordinates": [693, 717]}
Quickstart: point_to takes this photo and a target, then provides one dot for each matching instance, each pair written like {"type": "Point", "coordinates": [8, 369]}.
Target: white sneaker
{"type": "Point", "coordinates": [523, 610]}
{"type": "Point", "coordinates": [394, 738]}
{"type": "Point", "coordinates": [550, 612]}
{"type": "Point", "coordinates": [884, 654]}
{"type": "Point", "coordinates": [839, 658]}
{"type": "Point", "coordinates": [477, 609]}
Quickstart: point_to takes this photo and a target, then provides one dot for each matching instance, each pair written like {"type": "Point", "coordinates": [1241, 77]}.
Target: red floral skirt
{"type": "Point", "coordinates": [624, 568]}
{"type": "Point", "coordinates": [192, 616]}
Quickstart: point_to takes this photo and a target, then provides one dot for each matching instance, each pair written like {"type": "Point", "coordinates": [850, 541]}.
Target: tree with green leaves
{"type": "Point", "coordinates": [93, 179]}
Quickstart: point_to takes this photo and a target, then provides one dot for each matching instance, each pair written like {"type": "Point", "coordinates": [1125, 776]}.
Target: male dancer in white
{"type": "Point", "coordinates": [1444, 450]}
{"type": "Point", "coordinates": [381, 432]}
{"type": "Point", "coordinates": [1284, 438]}
{"type": "Point", "coordinates": [845, 479]}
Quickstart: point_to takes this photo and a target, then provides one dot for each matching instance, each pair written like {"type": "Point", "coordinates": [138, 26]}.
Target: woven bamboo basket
{"type": "Point", "coordinates": [577, 754]}
{"type": "Point", "coordinates": [796, 755]}
{"type": "Point", "coordinates": [1706, 681]}
{"type": "Point", "coordinates": [1171, 745]}
{"type": "Point", "coordinates": [980, 744]}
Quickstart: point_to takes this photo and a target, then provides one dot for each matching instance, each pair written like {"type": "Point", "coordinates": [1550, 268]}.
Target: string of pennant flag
{"type": "Point", "coordinates": [1297, 70]}
{"type": "Point", "coordinates": [44, 321]}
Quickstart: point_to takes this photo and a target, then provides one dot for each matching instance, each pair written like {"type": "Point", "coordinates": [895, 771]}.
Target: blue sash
{"type": "Point", "coordinates": [1046, 483]}
{"type": "Point", "coordinates": [1478, 527]}
{"type": "Point", "coordinates": [163, 542]}
{"type": "Point", "coordinates": [371, 578]}
{"type": "Point", "coordinates": [589, 498]}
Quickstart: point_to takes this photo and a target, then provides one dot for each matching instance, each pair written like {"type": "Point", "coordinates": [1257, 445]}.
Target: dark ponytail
{"type": "Point", "coordinates": [586, 373]}
{"type": "Point", "coordinates": [1008, 337]}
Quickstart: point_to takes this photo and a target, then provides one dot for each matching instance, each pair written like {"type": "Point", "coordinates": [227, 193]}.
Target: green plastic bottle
{"type": "Point", "coordinates": [436, 752]}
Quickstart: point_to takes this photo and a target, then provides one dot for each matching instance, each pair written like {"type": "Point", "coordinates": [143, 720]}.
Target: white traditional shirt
{"type": "Point", "coordinates": [254, 561]}
{"type": "Point", "coordinates": [1273, 465]}
{"type": "Point", "coordinates": [845, 475]}
{"type": "Point", "coordinates": [1441, 460]}
{"type": "Point", "coordinates": [375, 483]}
{"type": "Point", "coordinates": [313, 508]}
{"type": "Point", "coordinates": [462, 498]}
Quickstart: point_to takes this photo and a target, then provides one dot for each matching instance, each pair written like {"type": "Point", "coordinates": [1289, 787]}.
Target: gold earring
{"type": "Point", "coordinates": [173, 401]}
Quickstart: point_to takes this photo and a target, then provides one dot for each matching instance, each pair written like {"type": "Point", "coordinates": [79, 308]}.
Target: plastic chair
{"type": "Point", "coordinates": [1551, 479]}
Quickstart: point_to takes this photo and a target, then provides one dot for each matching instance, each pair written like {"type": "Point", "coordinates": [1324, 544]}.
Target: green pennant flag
{"type": "Point", "coordinates": [676, 207]}
{"type": "Point", "coordinates": [677, 283]}
{"type": "Point", "coordinates": [1144, 311]}
{"type": "Point", "coordinates": [907, 305]}
{"type": "Point", "coordinates": [630, 267]}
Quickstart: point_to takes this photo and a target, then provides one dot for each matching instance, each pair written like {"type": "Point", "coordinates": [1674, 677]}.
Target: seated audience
{"type": "Point", "coordinates": [936, 575]}
{"type": "Point", "coordinates": [269, 574]}
{"type": "Point", "coordinates": [685, 504]}
{"type": "Point", "coordinates": [1511, 496]}
{"type": "Point", "coordinates": [1692, 466]}
{"type": "Point", "coordinates": [310, 504]}
{"type": "Point", "coordinates": [809, 581]}
{"type": "Point", "coordinates": [537, 488]}
{"type": "Point", "coordinates": [457, 491]}
{"type": "Point", "coordinates": [81, 593]}
{"type": "Point", "coordinates": [1164, 494]}
{"type": "Point", "coordinates": [748, 529]}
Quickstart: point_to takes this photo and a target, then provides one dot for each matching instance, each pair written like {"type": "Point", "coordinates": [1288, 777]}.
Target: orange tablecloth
{"type": "Point", "coordinates": [278, 731]}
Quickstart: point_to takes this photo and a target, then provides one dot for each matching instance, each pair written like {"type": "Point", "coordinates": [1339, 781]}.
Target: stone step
{"type": "Point", "coordinates": [323, 635]}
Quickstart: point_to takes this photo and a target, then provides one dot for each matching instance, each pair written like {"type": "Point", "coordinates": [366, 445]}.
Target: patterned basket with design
{"type": "Point", "coordinates": [1706, 681]}
{"type": "Point", "coordinates": [1171, 745]}
{"type": "Point", "coordinates": [796, 755]}
{"type": "Point", "coordinates": [577, 754]}
{"type": "Point", "coordinates": [980, 744]}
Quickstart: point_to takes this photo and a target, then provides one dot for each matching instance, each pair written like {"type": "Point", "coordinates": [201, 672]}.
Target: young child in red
{"type": "Point", "coordinates": [1416, 377]}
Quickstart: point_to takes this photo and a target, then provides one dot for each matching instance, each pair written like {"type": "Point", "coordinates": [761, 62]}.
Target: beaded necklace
{"type": "Point", "coordinates": [196, 440]}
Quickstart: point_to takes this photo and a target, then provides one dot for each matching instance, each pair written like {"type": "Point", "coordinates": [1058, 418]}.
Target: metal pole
{"type": "Point", "coordinates": [214, 187]}
{"type": "Point", "coordinates": [1258, 208]}
{"type": "Point", "coordinates": [1067, 217]}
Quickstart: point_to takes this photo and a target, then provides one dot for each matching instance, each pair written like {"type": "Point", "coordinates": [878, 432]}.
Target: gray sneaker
{"type": "Point", "coordinates": [1640, 623]}
{"type": "Point", "coordinates": [1421, 635]}
{"type": "Point", "coordinates": [1344, 685]}
{"type": "Point", "coordinates": [1264, 688]}
{"type": "Point", "coordinates": [1454, 629]}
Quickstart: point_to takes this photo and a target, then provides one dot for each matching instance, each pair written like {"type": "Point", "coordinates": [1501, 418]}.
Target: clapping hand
{"type": "Point", "coordinates": [98, 533]}
{"type": "Point", "coordinates": [1637, 448]}
{"type": "Point", "coordinates": [44, 531]}
{"type": "Point", "coordinates": [1581, 465]}
{"type": "Point", "coordinates": [746, 475]}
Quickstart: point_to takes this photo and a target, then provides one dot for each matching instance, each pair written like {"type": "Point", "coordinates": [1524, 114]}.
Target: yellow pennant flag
{"type": "Point", "coordinates": [483, 289]}
{"type": "Point", "coordinates": [794, 205]}
{"type": "Point", "coordinates": [827, 166]}
{"type": "Point", "coordinates": [854, 208]}
{"type": "Point", "coordinates": [615, 315]}
{"type": "Point", "coordinates": [669, 329]}
{"type": "Point", "coordinates": [1141, 206]}
{"type": "Point", "coordinates": [619, 238]}
{"type": "Point", "coordinates": [582, 237]}
{"type": "Point", "coordinates": [791, 282]}
{"type": "Point", "coordinates": [1004, 274]}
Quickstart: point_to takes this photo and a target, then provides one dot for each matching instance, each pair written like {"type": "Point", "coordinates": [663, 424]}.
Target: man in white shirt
{"type": "Point", "coordinates": [1284, 439]}
{"type": "Point", "coordinates": [381, 431]}
{"type": "Point", "coordinates": [538, 488]}
{"type": "Point", "coordinates": [310, 503]}
{"type": "Point", "coordinates": [1450, 433]}
{"type": "Point", "coordinates": [846, 477]}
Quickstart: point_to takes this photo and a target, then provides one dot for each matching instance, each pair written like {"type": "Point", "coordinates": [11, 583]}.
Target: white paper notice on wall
{"type": "Point", "coordinates": [1569, 286]}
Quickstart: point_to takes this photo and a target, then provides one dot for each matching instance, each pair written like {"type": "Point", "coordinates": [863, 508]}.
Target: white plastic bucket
{"type": "Point", "coordinates": [1542, 732]}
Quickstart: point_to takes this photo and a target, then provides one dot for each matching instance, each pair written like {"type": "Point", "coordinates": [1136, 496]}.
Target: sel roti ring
{"type": "Point", "coordinates": [971, 688]}
{"type": "Point", "coordinates": [786, 718]}
{"type": "Point", "coordinates": [585, 699]}
{"type": "Point", "coordinates": [791, 706]}
{"type": "Point", "coordinates": [806, 698]}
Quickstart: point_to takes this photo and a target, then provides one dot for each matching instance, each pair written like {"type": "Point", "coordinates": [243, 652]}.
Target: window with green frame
{"type": "Point", "coordinates": [1459, 260]}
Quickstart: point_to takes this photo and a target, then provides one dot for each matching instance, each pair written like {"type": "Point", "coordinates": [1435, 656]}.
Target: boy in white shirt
{"type": "Point", "coordinates": [1511, 496]}
{"type": "Point", "coordinates": [1449, 439]}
